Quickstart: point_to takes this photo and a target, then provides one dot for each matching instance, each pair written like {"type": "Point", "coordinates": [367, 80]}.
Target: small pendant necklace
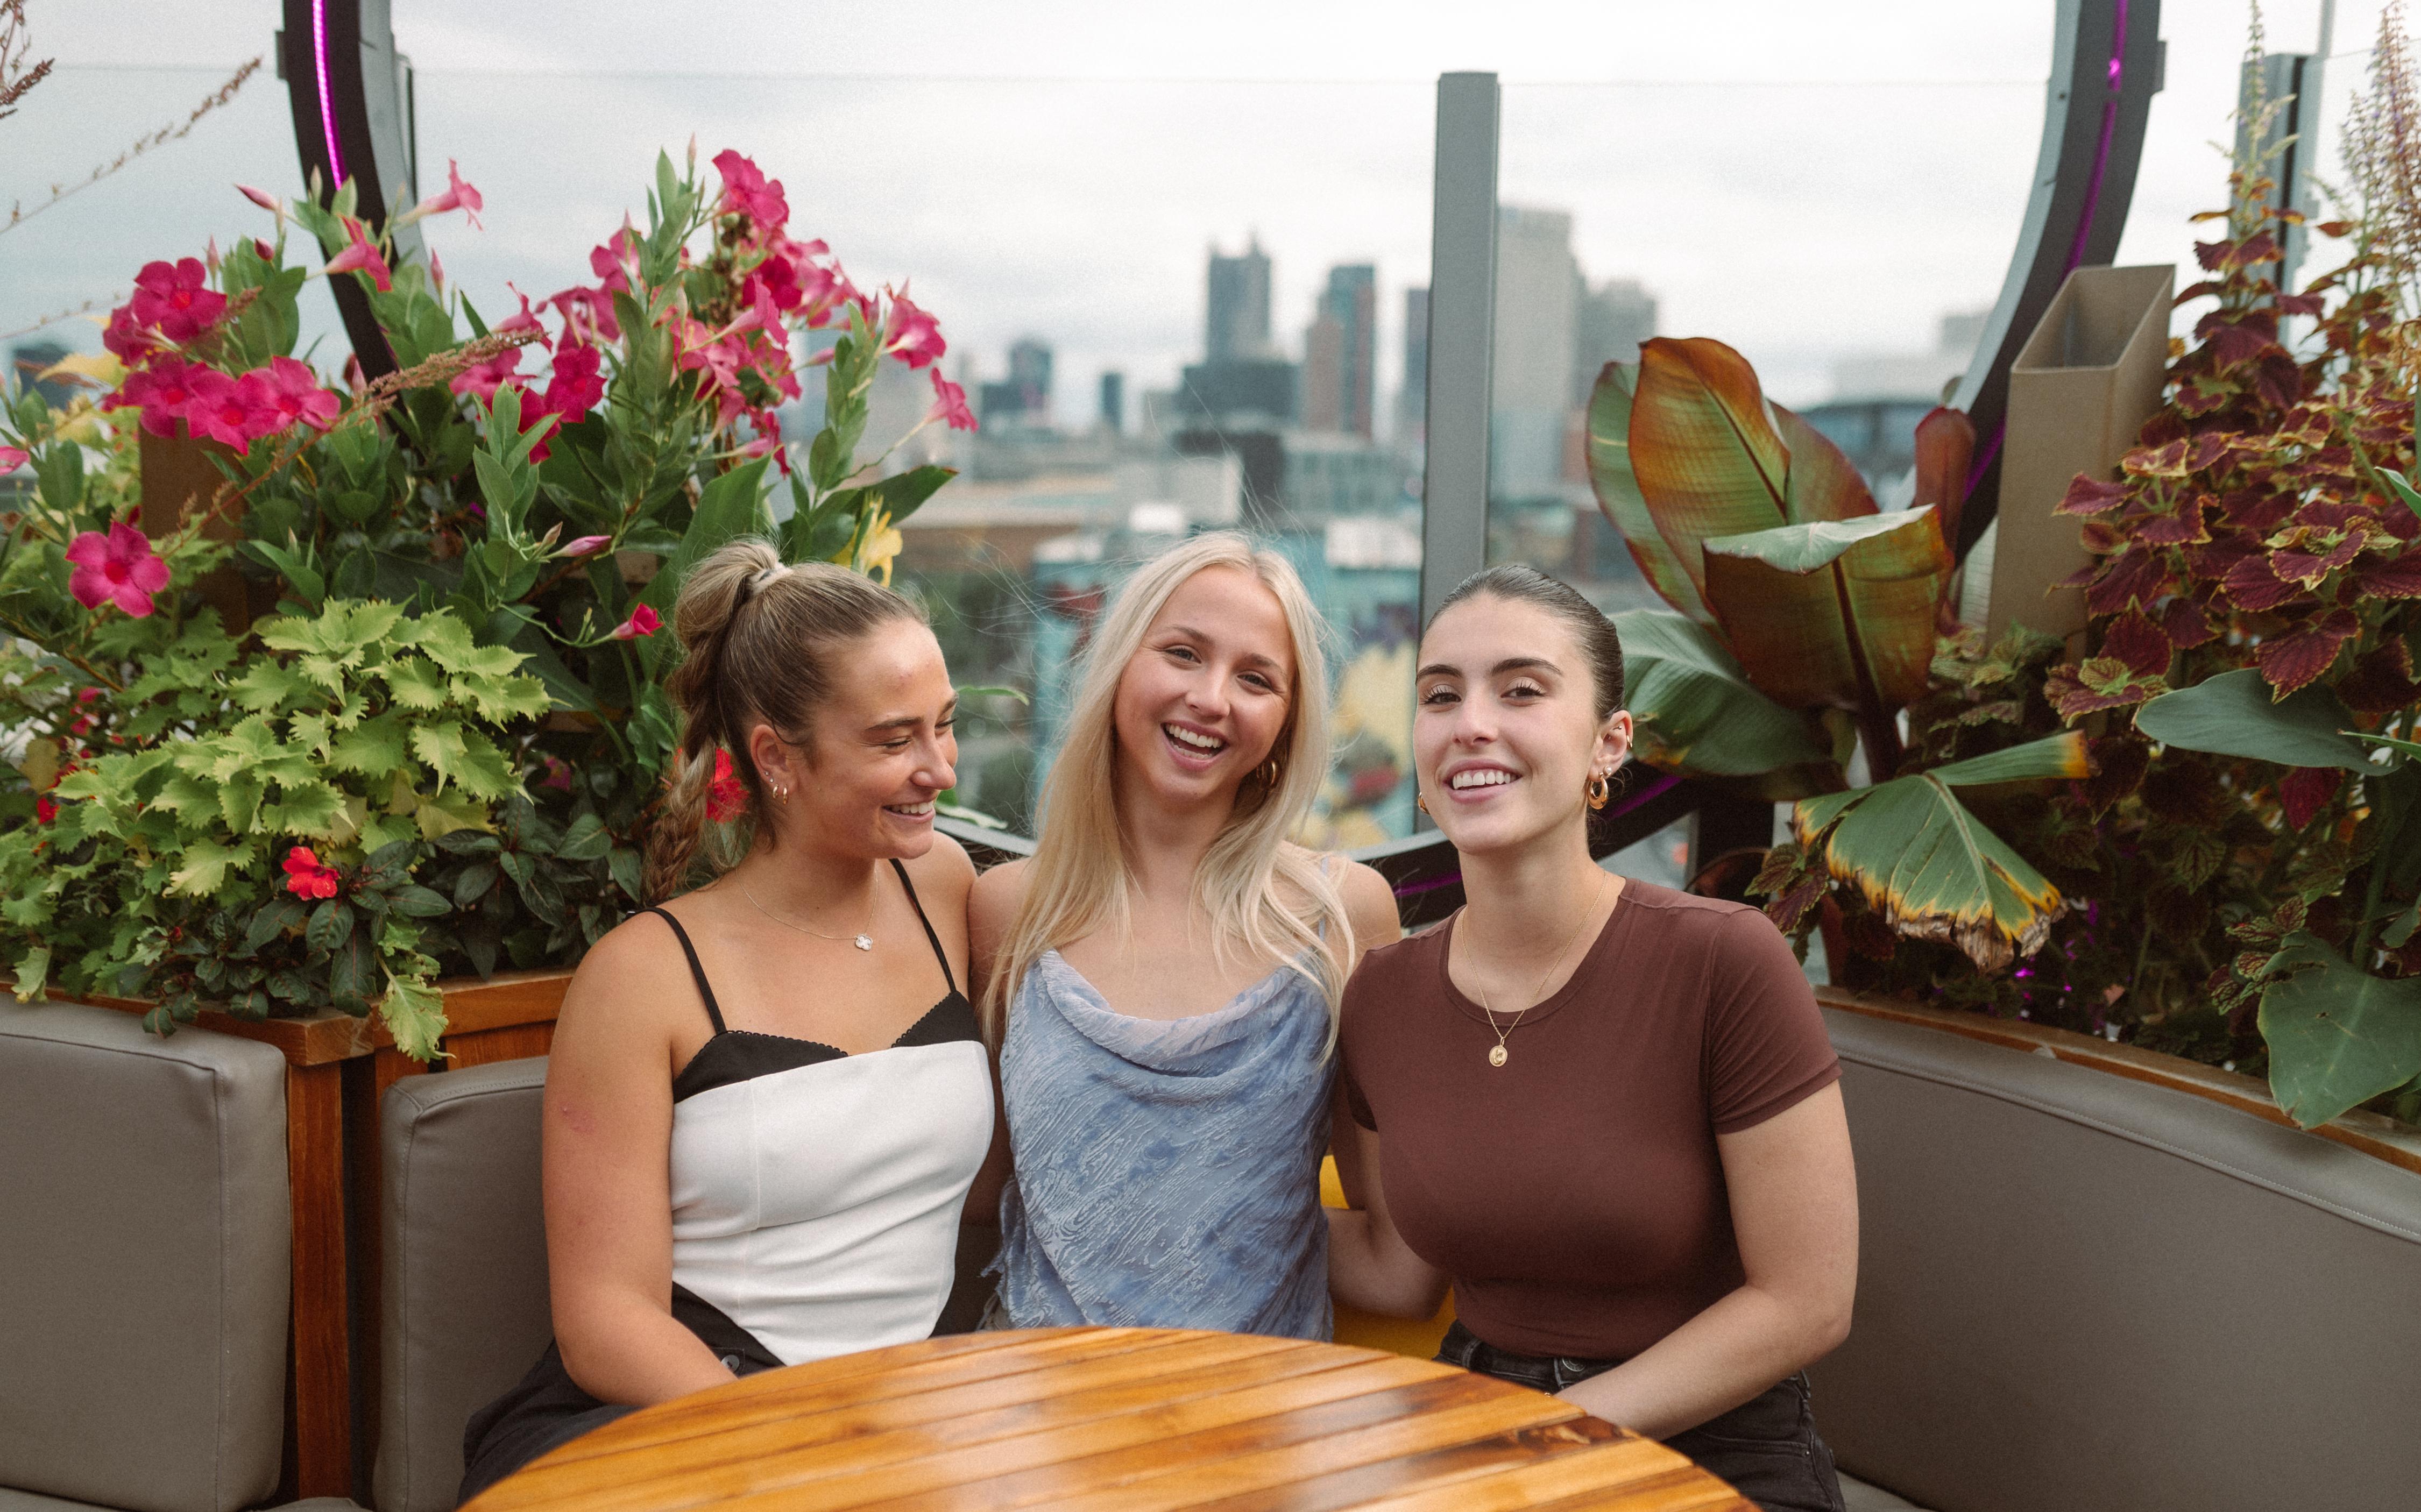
{"type": "Point", "coordinates": [1497, 1053]}
{"type": "Point", "coordinates": [863, 940]}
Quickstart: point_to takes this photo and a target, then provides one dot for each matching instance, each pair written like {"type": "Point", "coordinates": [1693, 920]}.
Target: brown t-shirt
{"type": "Point", "coordinates": [1575, 1193]}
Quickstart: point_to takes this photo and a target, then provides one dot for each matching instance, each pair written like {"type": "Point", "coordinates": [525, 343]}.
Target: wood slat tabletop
{"type": "Point", "coordinates": [1091, 1419]}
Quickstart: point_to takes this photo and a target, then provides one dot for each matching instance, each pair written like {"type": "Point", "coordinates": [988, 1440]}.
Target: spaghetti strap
{"type": "Point", "coordinates": [714, 1014]}
{"type": "Point", "coordinates": [917, 904]}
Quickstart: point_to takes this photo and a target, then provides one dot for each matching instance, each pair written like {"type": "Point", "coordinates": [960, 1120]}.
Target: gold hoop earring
{"type": "Point", "coordinates": [1421, 803]}
{"type": "Point", "coordinates": [1270, 773]}
{"type": "Point", "coordinates": [1600, 789]}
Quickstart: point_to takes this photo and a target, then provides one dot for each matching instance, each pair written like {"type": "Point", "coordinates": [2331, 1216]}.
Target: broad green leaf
{"type": "Point", "coordinates": [730, 507]}
{"type": "Point", "coordinates": [2233, 714]}
{"type": "Point", "coordinates": [415, 682]}
{"type": "Point", "coordinates": [448, 643]}
{"type": "Point", "coordinates": [2403, 490]}
{"type": "Point", "coordinates": [587, 839]}
{"type": "Point", "coordinates": [499, 701]}
{"type": "Point", "coordinates": [207, 864]}
{"type": "Point", "coordinates": [1617, 491]}
{"type": "Point", "coordinates": [266, 686]}
{"type": "Point", "coordinates": [422, 902]}
{"type": "Point", "coordinates": [373, 747]}
{"type": "Point", "coordinates": [1931, 868]}
{"type": "Point", "coordinates": [331, 925]}
{"type": "Point", "coordinates": [1696, 709]}
{"type": "Point", "coordinates": [2337, 1036]}
{"type": "Point", "coordinates": [414, 1013]}
{"type": "Point", "coordinates": [1833, 613]}
{"type": "Point", "coordinates": [448, 813]}
{"type": "Point", "coordinates": [901, 495]}
{"type": "Point", "coordinates": [33, 971]}
{"type": "Point", "coordinates": [314, 812]}
{"type": "Point", "coordinates": [463, 758]}
{"type": "Point", "coordinates": [347, 628]}
{"type": "Point", "coordinates": [240, 797]}
{"type": "Point", "coordinates": [2060, 755]}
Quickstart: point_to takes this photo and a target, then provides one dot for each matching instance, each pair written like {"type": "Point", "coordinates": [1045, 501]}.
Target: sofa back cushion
{"type": "Point", "coordinates": [464, 1292]}
{"type": "Point", "coordinates": [145, 1261]}
{"type": "Point", "coordinates": [2081, 1291]}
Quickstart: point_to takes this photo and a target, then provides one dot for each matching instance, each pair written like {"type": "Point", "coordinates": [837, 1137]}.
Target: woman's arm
{"type": "Point", "coordinates": [1794, 1202]}
{"type": "Point", "coordinates": [1371, 908]}
{"type": "Point", "coordinates": [1369, 1265]}
{"type": "Point", "coordinates": [608, 1139]}
{"type": "Point", "coordinates": [992, 907]}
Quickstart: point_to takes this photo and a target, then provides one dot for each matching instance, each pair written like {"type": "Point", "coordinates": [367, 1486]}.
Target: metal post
{"type": "Point", "coordinates": [1463, 326]}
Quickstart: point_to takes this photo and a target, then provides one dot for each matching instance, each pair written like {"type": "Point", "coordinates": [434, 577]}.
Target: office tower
{"type": "Point", "coordinates": [1614, 319]}
{"type": "Point", "coordinates": [1536, 284]}
{"type": "Point", "coordinates": [1412, 399]}
{"type": "Point", "coordinates": [1114, 403]}
{"type": "Point", "coordinates": [1237, 317]}
{"type": "Point", "coordinates": [1341, 352]}
{"type": "Point", "coordinates": [1024, 399]}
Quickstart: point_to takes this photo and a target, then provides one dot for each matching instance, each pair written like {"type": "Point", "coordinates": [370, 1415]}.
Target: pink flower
{"type": "Point", "coordinates": [577, 386]}
{"type": "Point", "coordinates": [911, 334]}
{"type": "Point", "coordinates": [125, 336]}
{"type": "Point", "coordinates": [177, 299]}
{"type": "Point", "coordinates": [264, 251]}
{"type": "Point", "coordinates": [11, 458]}
{"type": "Point", "coordinates": [361, 255]}
{"type": "Point", "coordinates": [456, 196]}
{"type": "Point", "coordinates": [950, 404]}
{"type": "Point", "coordinates": [295, 393]}
{"type": "Point", "coordinates": [261, 197]}
{"type": "Point", "coordinates": [119, 568]}
{"type": "Point", "coordinates": [527, 320]}
{"type": "Point", "coordinates": [612, 263]}
{"type": "Point", "coordinates": [436, 272]}
{"type": "Point", "coordinates": [233, 410]}
{"type": "Point", "coordinates": [584, 546]}
{"type": "Point", "coordinates": [747, 192]}
{"type": "Point", "coordinates": [643, 622]}
{"type": "Point", "coordinates": [482, 380]}
{"type": "Point", "coordinates": [726, 797]}
{"type": "Point", "coordinates": [587, 314]}
{"type": "Point", "coordinates": [558, 773]}
{"type": "Point", "coordinates": [306, 877]}
{"type": "Point", "coordinates": [163, 391]}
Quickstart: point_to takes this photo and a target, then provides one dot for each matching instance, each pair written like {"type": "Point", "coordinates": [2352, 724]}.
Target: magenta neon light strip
{"type": "Point", "coordinates": [327, 111]}
{"type": "Point", "coordinates": [2114, 74]}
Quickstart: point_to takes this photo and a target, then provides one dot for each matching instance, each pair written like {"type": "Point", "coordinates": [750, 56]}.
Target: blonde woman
{"type": "Point", "coordinates": [1164, 973]}
{"type": "Point", "coordinates": [767, 1097]}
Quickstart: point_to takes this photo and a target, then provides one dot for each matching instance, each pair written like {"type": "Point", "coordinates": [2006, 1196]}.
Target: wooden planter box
{"type": "Point", "coordinates": [337, 1067]}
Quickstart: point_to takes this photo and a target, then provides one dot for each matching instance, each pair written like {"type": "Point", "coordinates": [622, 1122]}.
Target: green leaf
{"type": "Point", "coordinates": [1833, 612]}
{"type": "Point", "coordinates": [2403, 490]}
{"type": "Point", "coordinates": [331, 925]}
{"type": "Point", "coordinates": [448, 641]}
{"type": "Point", "coordinates": [313, 810]}
{"type": "Point", "coordinates": [730, 507]}
{"type": "Point", "coordinates": [629, 870]}
{"type": "Point", "coordinates": [33, 971]}
{"type": "Point", "coordinates": [414, 1013]}
{"type": "Point", "coordinates": [413, 682]}
{"type": "Point", "coordinates": [2233, 714]}
{"type": "Point", "coordinates": [1696, 710]}
{"type": "Point", "coordinates": [374, 747]}
{"type": "Point", "coordinates": [421, 902]}
{"type": "Point", "coordinates": [587, 839]}
{"type": "Point", "coordinates": [206, 864]}
{"type": "Point", "coordinates": [275, 918]}
{"type": "Point", "coordinates": [1619, 495]}
{"type": "Point", "coordinates": [2337, 1035]}
{"type": "Point", "coordinates": [2054, 756]}
{"type": "Point", "coordinates": [463, 757]}
{"type": "Point", "coordinates": [353, 971]}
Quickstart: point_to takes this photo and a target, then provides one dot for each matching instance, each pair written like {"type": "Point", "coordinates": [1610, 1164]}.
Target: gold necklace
{"type": "Point", "coordinates": [1499, 1054]}
{"type": "Point", "coordinates": [863, 940]}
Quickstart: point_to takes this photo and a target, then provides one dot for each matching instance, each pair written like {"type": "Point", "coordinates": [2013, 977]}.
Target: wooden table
{"type": "Point", "coordinates": [1079, 1419]}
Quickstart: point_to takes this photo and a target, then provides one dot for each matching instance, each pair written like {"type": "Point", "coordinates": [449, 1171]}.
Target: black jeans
{"type": "Point", "coordinates": [1767, 1447]}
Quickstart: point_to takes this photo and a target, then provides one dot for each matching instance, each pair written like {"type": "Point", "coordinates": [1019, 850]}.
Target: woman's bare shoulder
{"type": "Point", "coordinates": [944, 872]}
{"type": "Point", "coordinates": [993, 900]}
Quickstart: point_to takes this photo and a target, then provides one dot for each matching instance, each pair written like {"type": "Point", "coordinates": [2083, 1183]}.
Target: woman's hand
{"type": "Point", "coordinates": [1794, 1202]}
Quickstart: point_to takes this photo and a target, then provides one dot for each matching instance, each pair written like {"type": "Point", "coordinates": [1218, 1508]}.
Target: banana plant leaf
{"type": "Point", "coordinates": [1619, 495]}
{"type": "Point", "coordinates": [1712, 458]}
{"type": "Point", "coordinates": [1695, 710]}
{"type": "Point", "coordinates": [1834, 613]}
{"type": "Point", "coordinates": [2233, 714]}
{"type": "Point", "coordinates": [1931, 866]}
{"type": "Point", "coordinates": [2337, 1035]}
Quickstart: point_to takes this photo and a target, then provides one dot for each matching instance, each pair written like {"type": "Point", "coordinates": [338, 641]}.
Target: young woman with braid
{"type": "Point", "coordinates": [767, 1097]}
{"type": "Point", "coordinates": [1167, 964]}
{"type": "Point", "coordinates": [1606, 1112]}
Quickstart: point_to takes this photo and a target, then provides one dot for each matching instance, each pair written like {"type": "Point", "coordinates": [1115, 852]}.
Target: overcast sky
{"type": "Point", "coordinates": [1806, 181]}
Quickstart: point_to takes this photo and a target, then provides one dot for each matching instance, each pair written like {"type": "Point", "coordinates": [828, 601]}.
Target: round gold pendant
{"type": "Point", "coordinates": [1497, 1056]}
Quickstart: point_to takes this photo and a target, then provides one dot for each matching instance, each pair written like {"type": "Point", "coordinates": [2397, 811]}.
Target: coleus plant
{"type": "Point", "coordinates": [1803, 622]}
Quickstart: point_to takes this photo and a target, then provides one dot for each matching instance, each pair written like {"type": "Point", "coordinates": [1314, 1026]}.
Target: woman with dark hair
{"type": "Point", "coordinates": [1603, 1111]}
{"type": "Point", "coordinates": [767, 1097]}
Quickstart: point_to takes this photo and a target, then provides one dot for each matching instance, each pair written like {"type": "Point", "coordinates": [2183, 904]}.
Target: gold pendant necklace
{"type": "Point", "coordinates": [863, 940]}
{"type": "Point", "coordinates": [1497, 1053]}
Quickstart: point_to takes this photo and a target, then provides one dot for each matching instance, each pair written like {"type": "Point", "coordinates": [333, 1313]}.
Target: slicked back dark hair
{"type": "Point", "coordinates": [1591, 631]}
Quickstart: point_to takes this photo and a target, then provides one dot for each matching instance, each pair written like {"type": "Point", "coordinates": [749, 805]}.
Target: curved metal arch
{"type": "Point", "coordinates": [351, 122]}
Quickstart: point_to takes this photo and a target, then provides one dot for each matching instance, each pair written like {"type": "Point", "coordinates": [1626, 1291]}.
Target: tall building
{"type": "Point", "coordinates": [1614, 319]}
{"type": "Point", "coordinates": [1341, 354]}
{"type": "Point", "coordinates": [1024, 399]}
{"type": "Point", "coordinates": [1237, 314]}
{"type": "Point", "coordinates": [1412, 399]}
{"type": "Point", "coordinates": [1538, 284]}
{"type": "Point", "coordinates": [1114, 403]}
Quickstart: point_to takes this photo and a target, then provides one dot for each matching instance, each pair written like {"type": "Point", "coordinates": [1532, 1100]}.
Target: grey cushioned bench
{"type": "Point", "coordinates": [2081, 1293]}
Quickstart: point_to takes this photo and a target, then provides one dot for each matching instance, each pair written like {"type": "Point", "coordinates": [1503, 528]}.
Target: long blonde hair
{"type": "Point", "coordinates": [1264, 897]}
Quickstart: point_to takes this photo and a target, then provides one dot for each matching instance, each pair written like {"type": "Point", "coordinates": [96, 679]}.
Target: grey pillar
{"type": "Point", "coordinates": [1463, 320]}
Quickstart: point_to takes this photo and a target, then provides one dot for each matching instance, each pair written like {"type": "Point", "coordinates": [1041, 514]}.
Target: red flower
{"type": "Point", "coordinates": [125, 337]}
{"type": "Point", "coordinates": [911, 334]}
{"type": "Point", "coordinates": [643, 621]}
{"type": "Point", "coordinates": [482, 380]}
{"type": "Point", "coordinates": [458, 195]}
{"type": "Point", "coordinates": [119, 568]}
{"type": "Point", "coordinates": [578, 384]}
{"type": "Point", "coordinates": [162, 391]}
{"type": "Point", "coordinates": [46, 808]}
{"type": "Point", "coordinates": [611, 263]}
{"type": "Point", "coordinates": [747, 192]}
{"type": "Point", "coordinates": [587, 314]}
{"type": "Point", "coordinates": [726, 797]}
{"type": "Point", "coordinates": [525, 320]}
{"type": "Point", "coordinates": [295, 393]}
{"type": "Point", "coordinates": [950, 404]}
{"type": "Point", "coordinates": [234, 410]}
{"type": "Point", "coordinates": [176, 298]}
{"type": "Point", "coordinates": [11, 458]}
{"type": "Point", "coordinates": [360, 256]}
{"type": "Point", "coordinates": [306, 877]}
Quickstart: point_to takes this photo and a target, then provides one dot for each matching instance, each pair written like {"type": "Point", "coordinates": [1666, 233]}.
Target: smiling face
{"type": "Point", "coordinates": [884, 745]}
{"type": "Point", "coordinates": [1203, 701]}
{"type": "Point", "coordinates": [1505, 730]}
